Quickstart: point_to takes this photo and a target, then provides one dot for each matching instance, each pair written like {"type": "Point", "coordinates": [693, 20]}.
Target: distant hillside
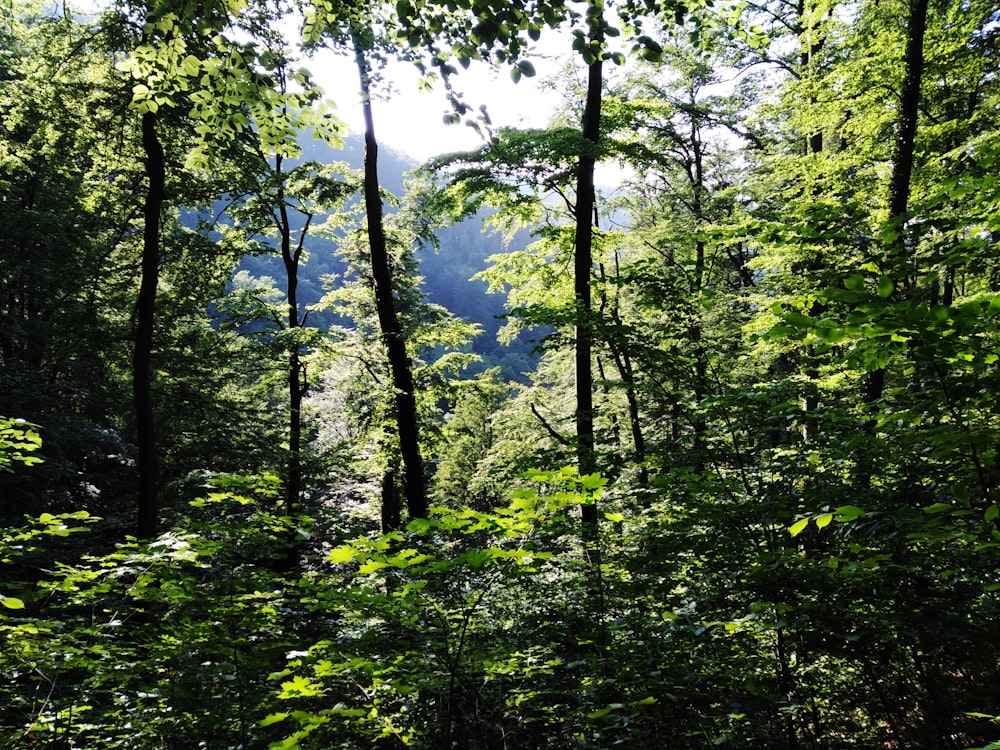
{"type": "Point", "coordinates": [447, 273]}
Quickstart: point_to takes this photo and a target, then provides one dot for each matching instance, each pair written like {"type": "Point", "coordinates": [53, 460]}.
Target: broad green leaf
{"type": "Point", "coordinates": [848, 512]}
{"type": "Point", "coordinates": [371, 566]}
{"type": "Point", "coordinates": [823, 520]}
{"type": "Point", "coordinates": [11, 602]}
{"type": "Point", "coordinates": [798, 527]}
{"type": "Point", "coordinates": [855, 282]}
{"type": "Point", "coordinates": [601, 712]}
{"type": "Point", "coordinates": [300, 687]}
{"type": "Point", "coordinates": [476, 558]}
{"type": "Point", "coordinates": [991, 513]}
{"type": "Point", "coordinates": [593, 481]}
{"type": "Point", "coordinates": [273, 719]}
{"type": "Point", "coordinates": [418, 525]}
{"type": "Point", "coordinates": [940, 313]}
{"type": "Point", "coordinates": [885, 286]}
{"type": "Point", "coordinates": [798, 320]}
{"type": "Point", "coordinates": [342, 554]}
{"type": "Point", "coordinates": [526, 68]}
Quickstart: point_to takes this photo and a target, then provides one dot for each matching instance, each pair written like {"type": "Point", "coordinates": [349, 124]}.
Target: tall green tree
{"type": "Point", "coordinates": [344, 25]}
{"type": "Point", "coordinates": [284, 205]}
{"type": "Point", "coordinates": [188, 60]}
{"type": "Point", "coordinates": [435, 338]}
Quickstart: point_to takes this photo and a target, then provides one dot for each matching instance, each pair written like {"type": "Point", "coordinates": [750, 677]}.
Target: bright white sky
{"type": "Point", "coordinates": [411, 121]}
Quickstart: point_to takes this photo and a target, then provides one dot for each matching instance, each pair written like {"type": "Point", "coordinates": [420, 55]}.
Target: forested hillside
{"type": "Point", "coordinates": [446, 267]}
{"type": "Point", "coordinates": [266, 482]}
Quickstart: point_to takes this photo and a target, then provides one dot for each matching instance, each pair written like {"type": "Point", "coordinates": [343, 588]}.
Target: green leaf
{"type": "Point", "coordinates": [273, 719]}
{"type": "Point", "coordinates": [798, 527]}
{"type": "Point", "coordinates": [593, 481]}
{"type": "Point", "coordinates": [855, 282]}
{"type": "Point", "coordinates": [885, 286]}
{"type": "Point", "coordinates": [300, 687]}
{"type": "Point", "coordinates": [798, 320]}
{"type": "Point", "coordinates": [418, 525]}
{"type": "Point", "coordinates": [848, 513]}
{"type": "Point", "coordinates": [526, 68]}
{"type": "Point", "coordinates": [601, 712]}
{"type": "Point", "coordinates": [937, 508]}
{"type": "Point", "coordinates": [11, 602]}
{"type": "Point", "coordinates": [342, 554]}
{"type": "Point", "coordinates": [991, 513]}
{"type": "Point", "coordinates": [823, 520]}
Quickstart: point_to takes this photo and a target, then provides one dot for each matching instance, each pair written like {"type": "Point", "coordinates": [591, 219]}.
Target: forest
{"type": "Point", "coordinates": [298, 451]}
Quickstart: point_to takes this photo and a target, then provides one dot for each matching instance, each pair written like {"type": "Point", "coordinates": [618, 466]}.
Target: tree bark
{"type": "Point", "coordinates": [902, 166]}
{"type": "Point", "coordinates": [296, 372]}
{"type": "Point", "coordinates": [414, 489]}
{"type": "Point", "coordinates": [582, 263]}
{"type": "Point", "coordinates": [148, 463]}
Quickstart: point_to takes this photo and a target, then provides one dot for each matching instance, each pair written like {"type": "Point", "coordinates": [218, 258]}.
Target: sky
{"type": "Point", "coordinates": [411, 121]}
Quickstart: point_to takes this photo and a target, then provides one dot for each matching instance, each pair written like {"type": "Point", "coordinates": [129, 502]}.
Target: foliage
{"type": "Point", "coordinates": [18, 440]}
{"type": "Point", "coordinates": [794, 407]}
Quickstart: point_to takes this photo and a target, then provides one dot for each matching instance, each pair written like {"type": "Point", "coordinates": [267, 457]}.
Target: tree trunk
{"type": "Point", "coordinates": [902, 167]}
{"type": "Point", "coordinates": [145, 315]}
{"type": "Point", "coordinates": [414, 488]}
{"type": "Point", "coordinates": [623, 362]}
{"type": "Point", "coordinates": [811, 46]}
{"type": "Point", "coordinates": [296, 372]}
{"type": "Point", "coordinates": [582, 263]}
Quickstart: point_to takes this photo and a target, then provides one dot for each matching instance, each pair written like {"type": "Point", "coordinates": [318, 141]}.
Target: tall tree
{"type": "Point", "coordinates": [146, 518]}
{"type": "Point", "coordinates": [287, 206]}
{"type": "Point", "coordinates": [187, 59]}
{"type": "Point", "coordinates": [414, 484]}
{"type": "Point", "coordinates": [352, 29]}
{"type": "Point", "coordinates": [902, 164]}
{"type": "Point", "coordinates": [66, 237]}
{"type": "Point", "coordinates": [583, 253]}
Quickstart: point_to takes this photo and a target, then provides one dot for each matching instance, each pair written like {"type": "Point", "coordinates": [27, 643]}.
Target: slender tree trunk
{"type": "Point", "coordinates": [145, 316]}
{"type": "Point", "coordinates": [696, 176]}
{"type": "Point", "coordinates": [414, 488]}
{"type": "Point", "coordinates": [627, 373]}
{"type": "Point", "coordinates": [623, 361]}
{"type": "Point", "coordinates": [811, 46]}
{"type": "Point", "coordinates": [390, 515]}
{"type": "Point", "coordinates": [582, 262]}
{"type": "Point", "coordinates": [902, 167]}
{"type": "Point", "coordinates": [296, 371]}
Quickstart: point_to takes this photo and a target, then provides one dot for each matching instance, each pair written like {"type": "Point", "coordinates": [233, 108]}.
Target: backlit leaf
{"type": "Point", "coordinates": [798, 527]}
